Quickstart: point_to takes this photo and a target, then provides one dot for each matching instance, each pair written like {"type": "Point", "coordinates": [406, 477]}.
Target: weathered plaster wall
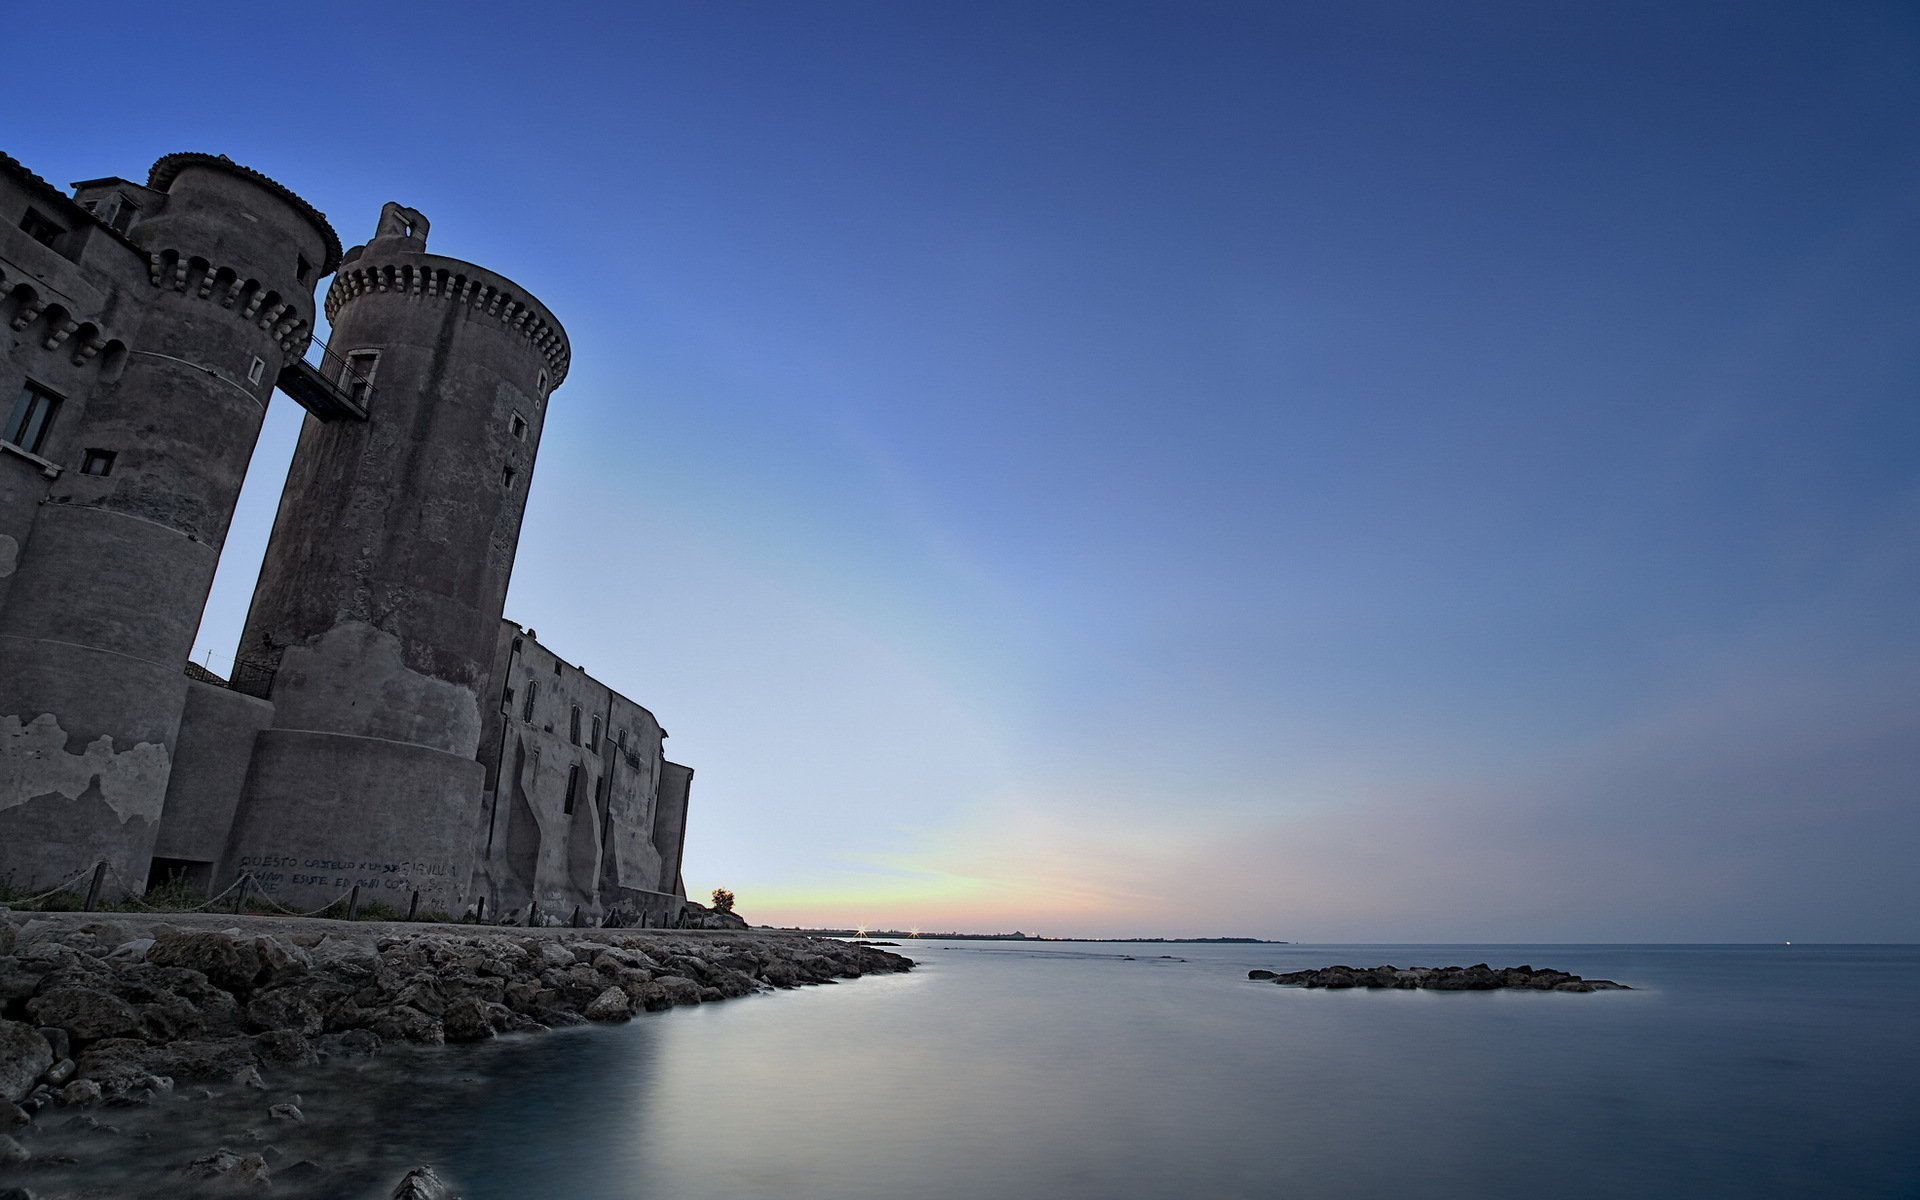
{"type": "Point", "coordinates": [535, 849]}
{"type": "Point", "coordinates": [324, 811]}
{"type": "Point", "coordinates": [211, 757]}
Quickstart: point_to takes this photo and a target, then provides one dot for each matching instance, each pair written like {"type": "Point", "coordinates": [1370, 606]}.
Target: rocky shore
{"type": "Point", "coordinates": [1478, 978]}
{"type": "Point", "coordinates": [107, 1022]}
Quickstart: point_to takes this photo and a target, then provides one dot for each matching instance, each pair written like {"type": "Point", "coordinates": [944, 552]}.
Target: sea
{"type": "Point", "coordinates": [1108, 1071]}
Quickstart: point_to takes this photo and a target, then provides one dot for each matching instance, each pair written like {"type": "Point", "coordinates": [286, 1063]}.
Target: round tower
{"type": "Point", "coordinates": [100, 619]}
{"type": "Point", "coordinates": [375, 619]}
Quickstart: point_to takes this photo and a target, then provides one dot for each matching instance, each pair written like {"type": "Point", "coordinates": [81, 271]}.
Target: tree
{"type": "Point", "coordinates": [722, 900]}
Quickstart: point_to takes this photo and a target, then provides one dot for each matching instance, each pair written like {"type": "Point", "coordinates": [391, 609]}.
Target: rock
{"type": "Point", "coordinates": [24, 1058]}
{"type": "Point", "coordinates": [229, 963]}
{"type": "Point", "coordinates": [306, 1170]}
{"type": "Point", "coordinates": [284, 1008]}
{"type": "Point", "coordinates": [60, 1072]}
{"type": "Point", "coordinates": [610, 1005]}
{"type": "Point", "coordinates": [422, 1184]}
{"type": "Point", "coordinates": [132, 951]}
{"type": "Point", "coordinates": [58, 1039]}
{"type": "Point", "coordinates": [467, 1020]}
{"type": "Point", "coordinates": [282, 961]}
{"type": "Point", "coordinates": [80, 1091]}
{"type": "Point", "coordinates": [12, 1115]}
{"type": "Point", "coordinates": [12, 1153]}
{"type": "Point", "coordinates": [87, 1014]}
{"type": "Point", "coordinates": [249, 1077]}
{"type": "Point", "coordinates": [234, 1172]}
{"type": "Point", "coordinates": [285, 1048]}
{"type": "Point", "coordinates": [286, 1112]}
{"type": "Point", "coordinates": [353, 1044]}
{"type": "Point", "coordinates": [1479, 977]}
{"type": "Point", "coordinates": [404, 1024]}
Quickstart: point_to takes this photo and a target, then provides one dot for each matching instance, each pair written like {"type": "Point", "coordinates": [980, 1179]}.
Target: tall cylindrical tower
{"type": "Point", "coordinates": [380, 598]}
{"type": "Point", "coordinates": [100, 620]}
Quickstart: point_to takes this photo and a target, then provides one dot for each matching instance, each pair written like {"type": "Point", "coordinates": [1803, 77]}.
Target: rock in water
{"type": "Point", "coordinates": [1476, 978]}
{"type": "Point", "coordinates": [422, 1184]}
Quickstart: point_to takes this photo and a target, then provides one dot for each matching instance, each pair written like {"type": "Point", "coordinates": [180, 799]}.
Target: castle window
{"type": "Point", "coordinates": [573, 726]}
{"type": "Point", "coordinates": [41, 230]}
{"type": "Point", "coordinates": [302, 268]}
{"type": "Point", "coordinates": [623, 739]}
{"type": "Point", "coordinates": [256, 370]}
{"type": "Point", "coordinates": [519, 427]}
{"type": "Point", "coordinates": [593, 743]}
{"type": "Point", "coordinates": [97, 462]}
{"type": "Point", "coordinates": [506, 477]}
{"type": "Point", "coordinates": [357, 376]}
{"type": "Point", "coordinates": [526, 711]}
{"type": "Point", "coordinates": [32, 414]}
{"type": "Point", "coordinates": [556, 666]}
{"type": "Point", "coordinates": [516, 645]}
{"type": "Point", "coordinates": [541, 387]}
{"type": "Point", "coordinates": [573, 785]}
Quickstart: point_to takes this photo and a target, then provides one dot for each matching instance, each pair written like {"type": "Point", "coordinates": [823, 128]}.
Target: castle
{"type": "Point", "coordinates": [383, 726]}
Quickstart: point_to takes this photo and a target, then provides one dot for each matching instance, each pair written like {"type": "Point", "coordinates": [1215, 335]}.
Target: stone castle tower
{"type": "Point", "coordinates": [362, 734]}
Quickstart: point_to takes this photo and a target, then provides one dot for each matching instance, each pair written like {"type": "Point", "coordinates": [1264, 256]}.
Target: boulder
{"type": "Point", "coordinates": [12, 1153]}
{"type": "Point", "coordinates": [87, 1014]}
{"type": "Point", "coordinates": [230, 963]}
{"type": "Point", "coordinates": [422, 1184]}
{"type": "Point", "coordinates": [610, 1005]}
{"type": "Point", "coordinates": [230, 1172]}
{"type": "Point", "coordinates": [24, 1057]}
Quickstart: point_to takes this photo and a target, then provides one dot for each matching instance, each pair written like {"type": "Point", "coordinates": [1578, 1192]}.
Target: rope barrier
{"type": "Point", "coordinates": [75, 878]}
{"type": "Point", "coordinates": [200, 907]}
{"type": "Point", "coordinates": [316, 912]}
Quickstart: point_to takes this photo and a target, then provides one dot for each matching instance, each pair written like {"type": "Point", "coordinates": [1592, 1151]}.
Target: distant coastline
{"type": "Point", "coordinates": [1017, 936]}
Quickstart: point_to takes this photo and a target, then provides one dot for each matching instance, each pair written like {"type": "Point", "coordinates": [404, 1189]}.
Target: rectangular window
{"type": "Point", "coordinates": [301, 267]}
{"type": "Point", "coordinates": [32, 414]}
{"type": "Point", "coordinates": [256, 370]}
{"type": "Point", "coordinates": [526, 713]}
{"type": "Point", "coordinates": [519, 427]}
{"type": "Point", "coordinates": [623, 739]}
{"type": "Point", "coordinates": [573, 726]}
{"type": "Point", "coordinates": [356, 378]}
{"type": "Point", "coordinates": [40, 229]}
{"type": "Point", "coordinates": [506, 478]}
{"type": "Point", "coordinates": [573, 785]}
{"type": "Point", "coordinates": [593, 743]}
{"type": "Point", "coordinates": [97, 462]}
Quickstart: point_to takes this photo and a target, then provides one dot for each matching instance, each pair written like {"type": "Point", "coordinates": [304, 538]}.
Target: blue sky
{"type": "Point", "coordinates": [1329, 472]}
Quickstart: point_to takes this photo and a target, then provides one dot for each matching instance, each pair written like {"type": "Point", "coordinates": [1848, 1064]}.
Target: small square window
{"type": "Point", "coordinates": [39, 228]}
{"type": "Point", "coordinates": [256, 370]}
{"type": "Point", "coordinates": [97, 462]}
{"type": "Point", "coordinates": [519, 427]}
{"type": "Point", "coordinates": [506, 477]}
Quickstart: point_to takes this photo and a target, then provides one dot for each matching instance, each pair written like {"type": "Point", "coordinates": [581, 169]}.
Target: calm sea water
{"type": "Point", "coordinates": [1013, 1072]}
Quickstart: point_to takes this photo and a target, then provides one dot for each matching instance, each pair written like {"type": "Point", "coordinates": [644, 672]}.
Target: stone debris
{"type": "Point", "coordinates": [1478, 978]}
{"type": "Point", "coordinates": [84, 1021]}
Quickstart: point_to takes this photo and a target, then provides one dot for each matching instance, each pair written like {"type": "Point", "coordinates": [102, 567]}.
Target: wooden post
{"type": "Point", "coordinates": [240, 899]}
{"type": "Point", "coordinates": [93, 889]}
{"type": "Point", "coordinates": [413, 909]}
{"type": "Point", "coordinates": [353, 902]}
